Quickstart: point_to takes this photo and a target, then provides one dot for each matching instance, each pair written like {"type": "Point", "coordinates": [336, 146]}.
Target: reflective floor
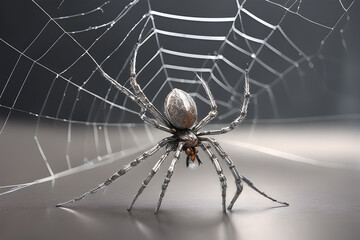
{"type": "Point", "coordinates": [313, 166]}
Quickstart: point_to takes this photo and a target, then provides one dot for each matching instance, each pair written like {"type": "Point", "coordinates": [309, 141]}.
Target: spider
{"type": "Point", "coordinates": [180, 120]}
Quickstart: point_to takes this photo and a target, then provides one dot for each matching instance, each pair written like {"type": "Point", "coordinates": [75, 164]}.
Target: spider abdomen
{"type": "Point", "coordinates": [180, 109]}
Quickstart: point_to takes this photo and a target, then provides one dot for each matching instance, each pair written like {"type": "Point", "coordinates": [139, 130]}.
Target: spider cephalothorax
{"type": "Point", "coordinates": [180, 122]}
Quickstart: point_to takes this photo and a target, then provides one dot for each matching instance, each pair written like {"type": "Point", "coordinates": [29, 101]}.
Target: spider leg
{"type": "Point", "coordinates": [198, 159]}
{"type": "Point", "coordinates": [213, 112]}
{"type": "Point", "coordinates": [242, 115]}
{"type": "Point", "coordinates": [238, 177]}
{"type": "Point", "coordinates": [121, 172]}
{"type": "Point", "coordinates": [169, 174]}
{"type": "Point", "coordinates": [137, 100]}
{"type": "Point", "coordinates": [154, 123]}
{"type": "Point", "coordinates": [151, 175]}
{"type": "Point", "coordinates": [230, 163]}
{"type": "Point", "coordinates": [135, 97]}
{"type": "Point", "coordinates": [206, 147]}
{"type": "Point", "coordinates": [250, 184]}
{"type": "Point", "coordinates": [139, 92]}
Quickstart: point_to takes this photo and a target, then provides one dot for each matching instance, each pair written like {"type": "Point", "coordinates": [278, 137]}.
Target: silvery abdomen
{"type": "Point", "coordinates": [180, 109]}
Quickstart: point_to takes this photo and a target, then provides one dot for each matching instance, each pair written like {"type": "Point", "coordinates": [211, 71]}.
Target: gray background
{"type": "Point", "coordinates": [330, 88]}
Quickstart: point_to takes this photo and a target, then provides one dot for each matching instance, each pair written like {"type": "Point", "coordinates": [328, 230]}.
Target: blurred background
{"type": "Point", "coordinates": [60, 116]}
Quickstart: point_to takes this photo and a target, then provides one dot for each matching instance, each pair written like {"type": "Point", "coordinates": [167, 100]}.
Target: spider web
{"type": "Point", "coordinates": [53, 74]}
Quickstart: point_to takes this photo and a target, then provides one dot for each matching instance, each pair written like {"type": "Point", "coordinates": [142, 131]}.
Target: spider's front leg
{"type": "Point", "coordinates": [154, 123]}
{"type": "Point", "coordinates": [213, 112]}
{"type": "Point", "coordinates": [219, 171]}
{"type": "Point", "coordinates": [169, 174]}
{"type": "Point", "coordinates": [140, 93]}
{"type": "Point", "coordinates": [242, 115]}
{"type": "Point", "coordinates": [122, 171]}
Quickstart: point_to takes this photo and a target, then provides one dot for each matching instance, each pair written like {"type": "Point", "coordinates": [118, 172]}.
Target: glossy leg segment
{"type": "Point", "coordinates": [139, 93]}
{"type": "Point", "coordinates": [238, 177]}
{"type": "Point", "coordinates": [119, 173]}
{"type": "Point", "coordinates": [169, 174]}
{"type": "Point", "coordinates": [206, 147]}
{"type": "Point", "coordinates": [213, 112]}
{"type": "Point", "coordinates": [150, 176]}
{"type": "Point", "coordinates": [240, 118]}
{"type": "Point", "coordinates": [230, 163]}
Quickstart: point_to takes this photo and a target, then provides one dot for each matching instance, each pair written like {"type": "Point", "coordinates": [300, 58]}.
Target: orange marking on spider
{"type": "Point", "coordinates": [192, 157]}
{"type": "Point", "coordinates": [188, 151]}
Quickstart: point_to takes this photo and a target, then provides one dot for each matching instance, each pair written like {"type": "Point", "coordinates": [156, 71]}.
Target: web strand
{"type": "Point", "coordinates": [99, 97]}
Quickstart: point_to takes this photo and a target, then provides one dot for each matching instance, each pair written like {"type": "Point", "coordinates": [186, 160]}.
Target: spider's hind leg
{"type": "Point", "coordinates": [121, 172]}
{"type": "Point", "coordinates": [250, 184]}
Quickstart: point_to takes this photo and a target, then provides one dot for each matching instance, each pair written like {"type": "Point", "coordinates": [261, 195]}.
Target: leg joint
{"type": "Point", "coordinates": [222, 177]}
{"type": "Point", "coordinates": [213, 113]}
{"type": "Point", "coordinates": [107, 182]}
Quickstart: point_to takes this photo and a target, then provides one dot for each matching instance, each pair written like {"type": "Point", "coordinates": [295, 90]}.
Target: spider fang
{"type": "Point", "coordinates": [192, 155]}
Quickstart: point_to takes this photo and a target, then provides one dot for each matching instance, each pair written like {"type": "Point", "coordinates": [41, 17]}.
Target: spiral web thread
{"type": "Point", "coordinates": [168, 58]}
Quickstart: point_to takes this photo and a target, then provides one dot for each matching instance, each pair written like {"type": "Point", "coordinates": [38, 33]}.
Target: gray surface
{"type": "Point", "coordinates": [324, 202]}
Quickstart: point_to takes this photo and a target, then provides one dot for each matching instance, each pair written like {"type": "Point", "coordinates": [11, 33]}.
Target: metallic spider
{"type": "Point", "coordinates": [181, 116]}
